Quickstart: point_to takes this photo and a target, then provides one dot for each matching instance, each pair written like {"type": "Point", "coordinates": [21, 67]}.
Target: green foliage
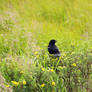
{"type": "Point", "coordinates": [26, 27]}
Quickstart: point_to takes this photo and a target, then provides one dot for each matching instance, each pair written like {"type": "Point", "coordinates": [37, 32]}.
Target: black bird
{"type": "Point", "coordinates": [53, 49]}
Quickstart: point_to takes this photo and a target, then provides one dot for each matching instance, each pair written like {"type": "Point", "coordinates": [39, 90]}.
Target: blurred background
{"type": "Point", "coordinates": [63, 20]}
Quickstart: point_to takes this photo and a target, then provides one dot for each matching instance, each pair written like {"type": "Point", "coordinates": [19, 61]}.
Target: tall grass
{"type": "Point", "coordinates": [26, 27]}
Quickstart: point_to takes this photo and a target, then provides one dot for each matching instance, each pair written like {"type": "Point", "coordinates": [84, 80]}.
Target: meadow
{"type": "Point", "coordinates": [26, 27]}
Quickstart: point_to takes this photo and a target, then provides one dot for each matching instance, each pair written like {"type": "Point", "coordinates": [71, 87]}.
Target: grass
{"type": "Point", "coordinates": [25, 30]}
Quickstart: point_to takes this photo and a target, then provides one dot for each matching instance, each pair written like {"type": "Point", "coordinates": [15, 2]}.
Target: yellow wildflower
{"type": "Point", "coordinates": [21, 72]}
{"type": "Point", "coordinates": [42, 85]}
{"type": "Point", "coordinates": [7, 86]}
{"type": "Point", "coordinates": [15, 83]}
{"type": "Point", "coordinates": [24, 82]}
{"type": "Point", "coordinates": [53, 83]}
{"type": "Point", "coordinates": [43, 69]}
{"type": "Point", "coordinates": [51, 70]}
{"type": "Point", "coordinates": [74, 64]}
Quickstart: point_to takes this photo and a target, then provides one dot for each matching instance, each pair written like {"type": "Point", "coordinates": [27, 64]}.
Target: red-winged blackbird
{"type": "Point", "coordinates": [53, 49]}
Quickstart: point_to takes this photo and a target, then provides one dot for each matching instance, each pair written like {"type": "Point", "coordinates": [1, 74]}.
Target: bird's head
{"type": "Point", "coordinates": [52, 42]}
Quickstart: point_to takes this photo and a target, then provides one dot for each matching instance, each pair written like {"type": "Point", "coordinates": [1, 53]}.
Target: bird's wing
{"type": "Point", "coordinates": [56, 50]}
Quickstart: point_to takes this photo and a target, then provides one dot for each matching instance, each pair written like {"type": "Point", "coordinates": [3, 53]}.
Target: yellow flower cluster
{"type": "Point", "coordinates": [74, 64]}
{"type": "Point", "coordinates": [24, 82]}
{"type": "Point", "coordinates": [42, 85]}
{"type": "Point", "coordinates": [7, 86]}
{"type": "Point", "coordinates": [15, 83]}
{"type": "Point", "coordinates": [51, 70]}
{"type": "Point", "coordinates": [53, 83]}
{"type": "Point", "coordinates": [43, 69]}
{"type": "Point", "coordinates": [21, 72]}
